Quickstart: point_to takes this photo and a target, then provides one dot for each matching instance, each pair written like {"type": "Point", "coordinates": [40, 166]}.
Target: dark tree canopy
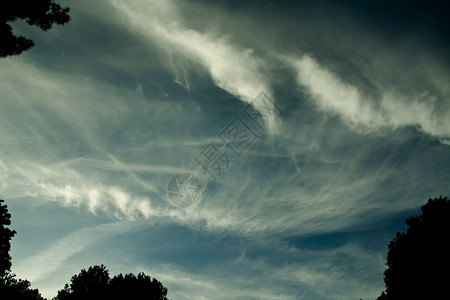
{"type": "Point", "coordinates": [17, 289]}
{"type": "Point", "coordinates": [137, 287]}
{"type": "Point", "coordinates": [95, 283]}
{"type": "Point", "coordinates": [10, 287]}
{"type": "Point", "coordinates": [5, 238]}
{"type": "Point", "coordinates": [418, 260]}
{"type": "Point", "coordinates": [41, 13]}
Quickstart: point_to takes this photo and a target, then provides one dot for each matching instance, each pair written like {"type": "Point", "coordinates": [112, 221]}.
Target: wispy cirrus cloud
{"type": "Point", "coordinates": [99, 177]}
{"type": "Point", "coordinates": [233, 68]}
{"type": "Point", "coordinates": [95, 126]}
{"type": "Point", "coordinates": [37, 267]}
{"type": "Point", "coordinates": [366, 114]}
{"type": "Point", "coordinates": [320, 274]}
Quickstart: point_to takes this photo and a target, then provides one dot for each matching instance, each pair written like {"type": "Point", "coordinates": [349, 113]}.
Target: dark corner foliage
{"type": "Point", "coordinates": [418, 261]}
{"type": "Point", "coordinates": [40, 13]}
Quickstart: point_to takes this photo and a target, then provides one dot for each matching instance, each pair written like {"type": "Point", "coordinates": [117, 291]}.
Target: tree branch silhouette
{"type": "Point", "coordinates": [41, 13]}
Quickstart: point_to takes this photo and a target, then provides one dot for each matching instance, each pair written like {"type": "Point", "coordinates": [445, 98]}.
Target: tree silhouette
{"type": "Point", "coordinates": [95, 283]}
{"type": "Point", "coordinates": [137, 287]}
{"type": "Point", "coordinates": [418, 261]}
{"type": "Point", "coordinates": [17, 289]}
{"type": "Point", "coordinates": [5, 237]}
{"type": "Point", "coordinates": [10, 287]}
{"type": "Point", "coordinates": [41, 13]}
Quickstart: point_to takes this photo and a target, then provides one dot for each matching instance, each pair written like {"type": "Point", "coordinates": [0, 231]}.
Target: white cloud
{"type": "Point", "coordinates": [70, 188]}
{"type": "Point", "coordinates": [242, 206]}
{"type": "Point", "coordinates": [236, 70]}
{"type": "Point", "coordinates": [393, 110]}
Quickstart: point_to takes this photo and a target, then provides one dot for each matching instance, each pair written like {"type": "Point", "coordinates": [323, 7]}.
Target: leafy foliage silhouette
{"type": "Point", "coordinates": [41, 13]}
{"type": "Point", "coordinates": [10, 287]}
{"type": "Point", "coordinates": [418, 260]}
{"type": "Point", "coordinates": [5, 238]}
{"type": "Point", "coordinates": [17, 289]}
{"type": "Point", "coordinates": [95, 283]}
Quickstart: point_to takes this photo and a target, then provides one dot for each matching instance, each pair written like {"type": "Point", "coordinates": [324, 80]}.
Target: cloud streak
{"type": "Point", "coordinates": [366, 114]}
{"type": "Point", "coordinates": [236, 70]}
{"type": "Point", "coordinates": [320, 274]}
{"type": "Point", "coordinates": [41, 265]}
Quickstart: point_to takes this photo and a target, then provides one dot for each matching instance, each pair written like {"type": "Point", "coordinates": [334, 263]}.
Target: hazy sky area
{"type": "Point", "coordinates": [305, 187]}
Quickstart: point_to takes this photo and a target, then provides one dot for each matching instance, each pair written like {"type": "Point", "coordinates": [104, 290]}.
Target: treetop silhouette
{"type": "Point", "coordinates": [418, 260]}
{"type": "Point", "coordinates": [95, 283]}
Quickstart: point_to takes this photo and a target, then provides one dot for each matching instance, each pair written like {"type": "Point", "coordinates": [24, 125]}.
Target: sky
{"type": "Point", "coordinates": [230, 149]}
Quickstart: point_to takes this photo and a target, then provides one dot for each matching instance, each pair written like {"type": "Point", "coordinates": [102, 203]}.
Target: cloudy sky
{"type": "Point", "coordinates": [231, 149]}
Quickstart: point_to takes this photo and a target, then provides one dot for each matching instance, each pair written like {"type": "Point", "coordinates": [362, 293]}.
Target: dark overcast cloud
{"type": "Point", "coordinates": [98, 117]}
